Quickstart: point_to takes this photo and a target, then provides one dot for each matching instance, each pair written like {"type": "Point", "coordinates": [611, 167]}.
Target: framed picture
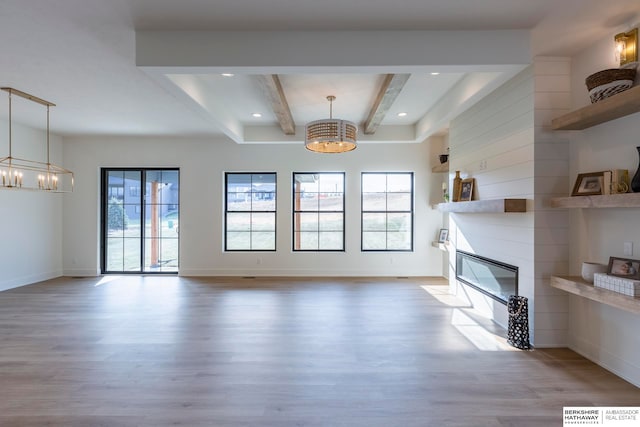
{"type": "Point", "coordinates": [443, 236]}
{"type": "Point", "coordinates": [624, 267]}
{"type": "Point", "coordinates": [466, 190]}
{"type": "Point", "coordinates": [588, 184]}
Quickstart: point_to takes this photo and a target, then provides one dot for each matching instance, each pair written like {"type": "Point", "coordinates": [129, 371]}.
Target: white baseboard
{"type": "Point", "coordinates": [611, 362]}
{"type": "Point", "coordinates": [262, 272]}
{"type": "Point", "coordinates": [81, 273]}
{"type": "Point", "coordinates": [16, 282]}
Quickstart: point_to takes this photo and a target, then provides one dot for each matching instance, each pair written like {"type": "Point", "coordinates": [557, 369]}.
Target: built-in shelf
{"type": "Point", "coordinates": [442, 167]}
{"type": "Point", "coordinates": [443, 246]}
{"type": "Point", "coordinates": [577, 286]}
{"type": "Point", "coordinates": [614, 107]}
{"type": "Point", "coordinates": [626, 200]}
{"type": "Point", "coordinates": [485, 206]}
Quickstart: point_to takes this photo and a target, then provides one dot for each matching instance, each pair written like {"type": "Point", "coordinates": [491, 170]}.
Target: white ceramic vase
{"type": "Point", "coordinates": [589, 268]}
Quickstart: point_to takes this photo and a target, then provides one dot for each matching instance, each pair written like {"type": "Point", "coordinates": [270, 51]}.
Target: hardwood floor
{"type": "Point", "coordinates": [156, 351]}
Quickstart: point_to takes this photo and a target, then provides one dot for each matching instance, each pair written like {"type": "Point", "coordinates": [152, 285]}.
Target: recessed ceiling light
{"type": "Point", "coordinates": [434, 74]}
{"type": "Point", "coordinates": [402, 114]}
{"type": "Point", "coordinates": [227, 75]}
{"type": "Point", "coordinates": [257, 115]}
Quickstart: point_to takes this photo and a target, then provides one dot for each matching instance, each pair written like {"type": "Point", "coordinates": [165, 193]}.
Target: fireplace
{"type": "Point", "coordinates": [493, 278]}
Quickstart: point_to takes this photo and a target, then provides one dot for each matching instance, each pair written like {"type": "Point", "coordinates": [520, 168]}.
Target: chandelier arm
{"type": "Point", "coordinates": [48, 161]}
{"type": "Point", "coordinates": [10, 135]}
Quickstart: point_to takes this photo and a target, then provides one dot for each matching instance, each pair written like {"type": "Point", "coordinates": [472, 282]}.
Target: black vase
{"type": "Point", "coordinates": [635, 182]}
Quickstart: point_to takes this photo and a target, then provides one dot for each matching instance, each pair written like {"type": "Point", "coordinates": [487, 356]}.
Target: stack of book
{"type": "Point", "coordinates": [616, 181]}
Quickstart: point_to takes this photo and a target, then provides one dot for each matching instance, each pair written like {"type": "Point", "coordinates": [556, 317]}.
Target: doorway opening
{"type": "Point", "coordinates": [140, 220]}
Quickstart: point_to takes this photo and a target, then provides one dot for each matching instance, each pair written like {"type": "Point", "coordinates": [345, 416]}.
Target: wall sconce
{"type": "Point", "coordinates": [626, 47]}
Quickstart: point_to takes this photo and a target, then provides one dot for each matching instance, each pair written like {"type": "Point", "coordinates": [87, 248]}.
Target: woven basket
{"type": "Point", "coordinates": [605, 83]}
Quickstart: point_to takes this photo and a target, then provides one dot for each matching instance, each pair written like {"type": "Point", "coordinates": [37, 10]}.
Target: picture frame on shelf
{"type": "Point", "coordinates": [624, 267]}
{"type": "Point", "coordinates": [589, 184]}
{"type": "Point", "coordinates": [443, 235]}
{"type": "Point", "coordinates": [466, 190]}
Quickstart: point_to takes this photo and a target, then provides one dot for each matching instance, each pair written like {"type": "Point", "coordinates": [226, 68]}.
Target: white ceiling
{"type": "Point", "coordinates": [306, 95]}
{"type": "Point", "coordinates": [81, 55]}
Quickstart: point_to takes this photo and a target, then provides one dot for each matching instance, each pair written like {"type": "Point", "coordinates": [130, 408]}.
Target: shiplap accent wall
{"type": "Point", "coordinates": [552, 99]}
{"type": "Point", "coordinates": [493, 142]}
{"type": "Point", "coordinates": [506, 144]}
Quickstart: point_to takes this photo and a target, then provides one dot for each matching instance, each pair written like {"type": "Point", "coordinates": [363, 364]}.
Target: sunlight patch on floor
{"type": "Point", "coordinates": [477, 334]}
{"type": "Point", "coordinates": [107, 279]}
{"type": "Point", "coordinates": [442, 294]}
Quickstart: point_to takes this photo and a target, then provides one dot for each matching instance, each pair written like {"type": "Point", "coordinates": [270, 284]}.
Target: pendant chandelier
{"type": "Point", "coordinates": [330, 135]}
{"type": "Point", "coordinates": [21, 174]}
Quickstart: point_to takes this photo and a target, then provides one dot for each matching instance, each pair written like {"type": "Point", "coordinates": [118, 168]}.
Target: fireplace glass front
{"type": "Point", "coordinates": [493, 278]}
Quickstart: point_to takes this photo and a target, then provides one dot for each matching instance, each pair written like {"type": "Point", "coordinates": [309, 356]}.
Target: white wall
{"type": "Point", "coordinates": [552, 99]}
{"type": "Point", "coordinates": [30, 222]}
{"type": "Point", "coordinates": [602, 333]}
{"type": "Point", "coordinates": [493, 142]}
{"type": "Point", "coordinates": [439, 145]}
{"type": "Point", "coordinates": [202, 165]}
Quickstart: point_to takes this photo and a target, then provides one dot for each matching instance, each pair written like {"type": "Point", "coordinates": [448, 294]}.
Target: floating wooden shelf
{"type": "Point", "coordinates": [619, 105]}
{"type": "Point", "coordinates": [443, 246]}
{"type": "Point", "coordinates": [627, 200]}
{"type": "Point", "coordinates": [443, 167]}
{"type": "Point", "coordinates": [485, 206]}
{"type": "Point", "coordinates": [577, 286]}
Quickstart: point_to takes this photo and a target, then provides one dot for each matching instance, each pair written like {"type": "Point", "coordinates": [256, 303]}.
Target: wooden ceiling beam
{"type": "Point", "coordinates": [272, 88]}
{"type": "Point", "coordinates": [389, 90]}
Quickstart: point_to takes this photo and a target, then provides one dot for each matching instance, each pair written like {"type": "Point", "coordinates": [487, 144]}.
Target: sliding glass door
{"type": "Point", "coordinates": [140, 220]}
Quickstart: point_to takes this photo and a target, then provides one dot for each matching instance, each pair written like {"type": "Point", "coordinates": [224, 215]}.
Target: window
{"type": "Point", "coordinates": [318, 211]}
{"type": "Point", "coordinates": [140, 226]}
{"type": "Point", "coordinates": [250, 212]}
{"type": "Point", "coordinates": [387, 211]}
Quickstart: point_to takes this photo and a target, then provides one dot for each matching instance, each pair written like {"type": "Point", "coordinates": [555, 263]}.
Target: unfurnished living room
{"type": "Point", "coordinates": [340, 213]}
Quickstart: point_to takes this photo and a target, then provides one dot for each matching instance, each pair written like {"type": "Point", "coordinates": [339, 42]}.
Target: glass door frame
{"type": "Point", "coordinates": [104, 206]}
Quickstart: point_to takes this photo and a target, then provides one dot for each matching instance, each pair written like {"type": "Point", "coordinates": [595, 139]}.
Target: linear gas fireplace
{"type": "Point", "coordinates": [493, 278]}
